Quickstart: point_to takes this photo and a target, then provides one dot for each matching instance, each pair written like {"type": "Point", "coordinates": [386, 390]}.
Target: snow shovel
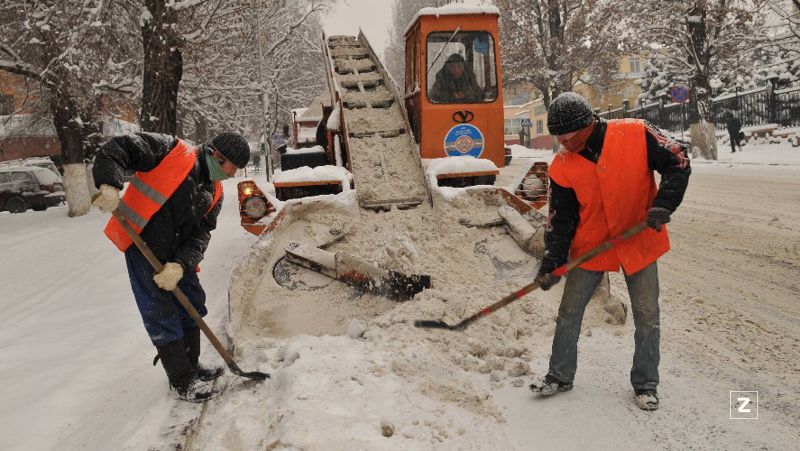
{"type": "Point", "coordinates": [157, 266]}
{"type": "Point", "coordinates": [558, 272]}
{"type": "Point", "coordinates": [354, 271]}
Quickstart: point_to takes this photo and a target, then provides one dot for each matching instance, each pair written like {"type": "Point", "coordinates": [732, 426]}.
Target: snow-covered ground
{"type": "Point", "coordinates": [75, 360]}
{"type": "Point", "coordinates": [74, 355]}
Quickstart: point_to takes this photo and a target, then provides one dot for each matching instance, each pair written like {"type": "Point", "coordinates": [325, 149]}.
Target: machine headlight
{"type": "Point", "coordinates": [255, 207]}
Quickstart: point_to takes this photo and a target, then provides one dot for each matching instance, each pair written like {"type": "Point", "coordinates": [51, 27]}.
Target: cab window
{"type": "Point", "coordinates": [461, 67]}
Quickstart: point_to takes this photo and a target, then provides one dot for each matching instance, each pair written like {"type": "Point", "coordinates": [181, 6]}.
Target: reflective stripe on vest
{"type": "Point", "coordinates": [149, 191]}
{"type": "Point", "coordinates": [614, 194]}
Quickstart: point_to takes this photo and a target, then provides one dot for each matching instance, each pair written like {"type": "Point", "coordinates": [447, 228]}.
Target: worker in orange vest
{"type": "Point", "coordinates": [602, 184]}
{"type": "Point", "coordinates": [173, 201]}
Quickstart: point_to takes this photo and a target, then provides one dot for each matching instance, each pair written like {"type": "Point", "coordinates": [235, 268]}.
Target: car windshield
{"type": "Point", "coordinates": [45, 176]}
{"type": "Point", "coordinates": [461, 67]}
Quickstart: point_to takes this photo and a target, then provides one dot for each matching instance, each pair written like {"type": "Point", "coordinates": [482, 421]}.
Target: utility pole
{"type": "Point", "coordinates": [264, 96]}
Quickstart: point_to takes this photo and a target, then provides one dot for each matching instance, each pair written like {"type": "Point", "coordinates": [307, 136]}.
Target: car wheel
{"type": "Point", "coordinates": [16, 205]}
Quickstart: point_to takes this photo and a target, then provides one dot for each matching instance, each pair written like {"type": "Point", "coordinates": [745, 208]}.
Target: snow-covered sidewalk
{"type": "Point", "coordinates": [74, 355]}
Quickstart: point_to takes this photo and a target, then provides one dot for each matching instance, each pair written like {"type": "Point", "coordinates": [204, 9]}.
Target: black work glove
{"type": "Point", "coordinates": [657, 216]}
{"type": "Point", "coordinates": [544, 278]}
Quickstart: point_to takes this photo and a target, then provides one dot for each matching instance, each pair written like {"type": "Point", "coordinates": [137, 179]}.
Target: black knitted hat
{"type": "Point", "coordinates": [232, 146]}
{"type": "Point", "coordinates": [568, 112]}
{"type": "Point", "coordinates": [455, 58]}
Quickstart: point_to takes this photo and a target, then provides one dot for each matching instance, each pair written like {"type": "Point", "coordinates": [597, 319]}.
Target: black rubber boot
{"type": "Point", "coordinates": [182, 374]}
{"type": "Point", "coordinates": [204, 373]}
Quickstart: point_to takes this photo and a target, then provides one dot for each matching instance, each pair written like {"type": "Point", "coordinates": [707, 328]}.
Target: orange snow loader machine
{"type": "Point", "coordinates": [448, 118]}
{"type": "Point", "coordinates": [451, 105]}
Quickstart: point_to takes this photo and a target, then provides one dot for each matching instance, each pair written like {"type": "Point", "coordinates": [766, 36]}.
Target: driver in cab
{"type": "Point", "coordinates": [454, 83]}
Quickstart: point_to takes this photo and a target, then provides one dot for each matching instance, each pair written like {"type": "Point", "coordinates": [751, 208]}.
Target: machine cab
{"type": "Point", "coordinates": [453, 89]}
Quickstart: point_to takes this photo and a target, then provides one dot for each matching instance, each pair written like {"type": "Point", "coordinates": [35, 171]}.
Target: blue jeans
{"type": "Point", "coordinates": [164, 318]}
{"type": "Point", "coordinates": [578, 289]}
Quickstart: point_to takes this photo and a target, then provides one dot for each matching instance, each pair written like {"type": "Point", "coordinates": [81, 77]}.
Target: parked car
{"type": "Point", "coordinates": [23, 187]}
{"type": "Point", "coordinates": [42, 162]}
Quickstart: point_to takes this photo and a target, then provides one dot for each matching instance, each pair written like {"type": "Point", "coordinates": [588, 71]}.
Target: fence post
{"type": "Point", "coordinates": [625, 105]}
{"type": "Point", "coordinates": [771, 103]}
{"type": "Point", "coordinates": [661, 113]}
{"type": "Point", "coordinates": [739, 105]}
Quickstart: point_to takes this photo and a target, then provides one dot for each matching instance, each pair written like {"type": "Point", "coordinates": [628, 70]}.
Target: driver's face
{"type": "Point", "coordinates": [456, 69]}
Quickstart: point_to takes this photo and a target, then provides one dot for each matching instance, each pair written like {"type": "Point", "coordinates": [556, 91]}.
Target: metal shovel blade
{"type": "Point", "coordinates": [255, 375]}
{"type": "Point", "coordinates": [431, 324]}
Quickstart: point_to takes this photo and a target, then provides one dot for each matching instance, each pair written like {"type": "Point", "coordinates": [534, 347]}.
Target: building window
{"type": "Point", "coordinates": [512, 126]}
{"type": "Point", "coordinates": [539, 127]}
{"type": "Point", "coordinates": [636, 64]}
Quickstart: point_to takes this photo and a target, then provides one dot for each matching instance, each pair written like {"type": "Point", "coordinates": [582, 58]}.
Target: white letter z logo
{"type": "Point", "coordinates": [745, 402]}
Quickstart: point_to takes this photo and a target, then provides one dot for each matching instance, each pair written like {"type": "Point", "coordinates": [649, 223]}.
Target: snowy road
{"type": "Point", "coordinates": [74, 357]}
{"type": "Point", "coordinates": [730, 319]}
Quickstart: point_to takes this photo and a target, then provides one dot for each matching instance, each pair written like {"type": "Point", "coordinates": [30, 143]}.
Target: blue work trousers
{"type": "Point", "coordinates": [164, 318]}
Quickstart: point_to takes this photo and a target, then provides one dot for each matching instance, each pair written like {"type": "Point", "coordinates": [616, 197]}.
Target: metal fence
{"type": "Point", "coordinates": [757, 107]}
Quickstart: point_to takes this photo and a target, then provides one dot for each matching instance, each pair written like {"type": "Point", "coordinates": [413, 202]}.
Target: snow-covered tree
{"type": "Point", "coordinates": [553, 44]}
{"type": "Point", "coordinates": [778, 52]}
{"type": "Point", "coordinates": [698, 41]}
{"type": "Point", "coordinates": [259, 60]}
{"type": "Point", "coordinates": [78, 57]}
{"type": "Point", "coordinates": [394, 55]}
{"type": "Point", "coordinates": [656, 81]}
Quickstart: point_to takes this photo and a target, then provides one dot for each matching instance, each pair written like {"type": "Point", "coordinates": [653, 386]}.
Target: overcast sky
{"type": "Point", "coordinates": [374, 17]}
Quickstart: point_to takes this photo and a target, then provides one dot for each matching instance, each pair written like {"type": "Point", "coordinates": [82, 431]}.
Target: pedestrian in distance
{"type": "Point", "coordinates": [602, 184]}
{"type": "Point", "coordinates": [173, 202]}
{"type": "Point", "coordinates": [734, 126]}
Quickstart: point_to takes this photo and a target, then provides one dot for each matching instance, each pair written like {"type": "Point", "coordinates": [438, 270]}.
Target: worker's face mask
{"type": "Point", "coordinates": [576, 141]}
{"type": "Point", "coordinates": [215, 171]}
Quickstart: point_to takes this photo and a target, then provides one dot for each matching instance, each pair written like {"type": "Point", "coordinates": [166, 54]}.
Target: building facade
{"type": "Point", "coordinates": [624, 88]}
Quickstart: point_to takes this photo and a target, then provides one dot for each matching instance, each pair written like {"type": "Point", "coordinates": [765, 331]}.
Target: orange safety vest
{"type": "Point", "coordinates": [614, 195]}
{"type": "Point", "coordinates": [149, 191]}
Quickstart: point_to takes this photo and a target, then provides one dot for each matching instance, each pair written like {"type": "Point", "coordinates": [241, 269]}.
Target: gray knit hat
{"type": "Point", "coordinates": [568, 112]}
{"type": "Point", "coordinates": [232, 146]}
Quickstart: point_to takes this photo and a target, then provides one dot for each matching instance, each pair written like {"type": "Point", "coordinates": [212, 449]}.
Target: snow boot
{"type": "Point", "coordinates": [183, 381]}
{"type": "Point", "coordinates": [204, 373]}
{"type": "Point", "coordinates": [646, 399]}
{"type": "Point", "coordinates": [550, 386]}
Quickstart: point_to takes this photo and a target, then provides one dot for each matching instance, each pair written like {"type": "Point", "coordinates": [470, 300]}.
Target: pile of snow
{"type": "Point", "coordinates": [454, 165]}
{"type": "Point", "coordinates": [317, 174]}
{"type": "Point", "coordinates": [304, 150]}
{"type": "Point", "coordinates": [454, 9]}
{"type": "Point", "coordinates": [763, 144]}
{"type": "Point", "coordinates": [336, 392]}
{"type": "Point", "coordinates": [334, 122]}
{"type": "Point", "coordinates": [518, 151]}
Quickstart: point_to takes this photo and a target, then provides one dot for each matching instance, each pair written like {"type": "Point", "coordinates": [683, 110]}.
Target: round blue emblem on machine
{"type": "Point", "coordinates": [463, 139]}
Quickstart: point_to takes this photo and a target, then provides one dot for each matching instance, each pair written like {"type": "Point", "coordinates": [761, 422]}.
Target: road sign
{"type": "Point", "coordinates": [525, 122]}
{"type": "Point", "coordinates": [679, 93]}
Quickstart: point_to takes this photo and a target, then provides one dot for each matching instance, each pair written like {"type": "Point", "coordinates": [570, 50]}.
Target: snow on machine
{"type": "Point", "coordinates": [411, 174]}
{"type": "Point", "coordinates": [407, 198]}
